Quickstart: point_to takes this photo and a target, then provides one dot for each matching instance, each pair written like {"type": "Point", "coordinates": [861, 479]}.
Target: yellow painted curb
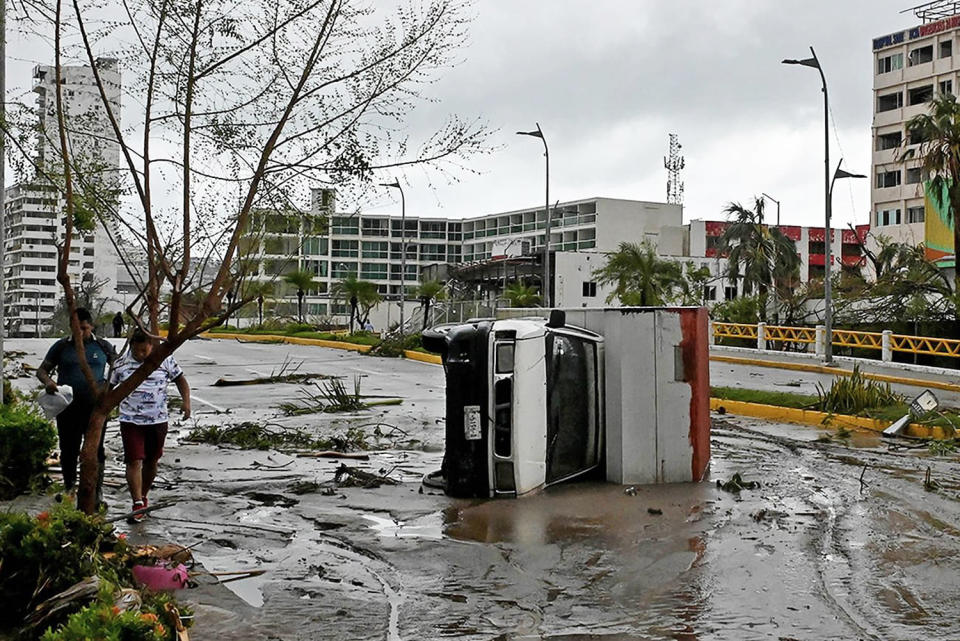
{"type": "Point", "coordinates": [422, 357]}
{"type": "Point", "coordinates": [812, 417]}
{"type": "Point", "coordinates": [293, 340]}
{"type": "Point", "coordinates": [821, 369]}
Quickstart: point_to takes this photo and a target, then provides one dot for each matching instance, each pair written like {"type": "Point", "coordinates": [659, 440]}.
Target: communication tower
{"type": "Point", "coordinates": [674, 163]}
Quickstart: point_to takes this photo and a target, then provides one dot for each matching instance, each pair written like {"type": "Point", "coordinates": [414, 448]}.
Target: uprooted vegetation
{"type": "Point", "coordinates": [289, 372]}
{"type": "Point", "coordinates": [332, 396]}
{"type": "Point", "coordinates": [66, 576]}
{"type": "Point", "coordinates": [257, 436]}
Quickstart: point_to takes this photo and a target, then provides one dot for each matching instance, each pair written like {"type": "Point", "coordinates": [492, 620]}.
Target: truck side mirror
{"type": "Point", "coordinates": [558, 318]}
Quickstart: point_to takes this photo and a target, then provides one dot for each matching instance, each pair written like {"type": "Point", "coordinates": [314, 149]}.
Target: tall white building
{"type": "Point", "coordinates": [34, 222]}
{"type": "Point", "coordinates": [910, 67]}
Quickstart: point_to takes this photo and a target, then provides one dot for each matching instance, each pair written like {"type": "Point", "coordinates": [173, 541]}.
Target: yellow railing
{"type": "Point", "coordinates": [885, 342]}
{"type": "Point", "coordinates": [783, 334]}
{"type": "Point", "coordinates": [925, 345]}
{"type": "Point", "coordinates": [734, 330]}
{"type": "Point", "coordinates": [863, 340]}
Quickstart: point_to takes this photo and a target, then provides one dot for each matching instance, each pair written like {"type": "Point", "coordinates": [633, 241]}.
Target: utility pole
{"type": "Point", "coordinates": [3, 185]}
{"type": "Point", "coordinates": [673, 164]}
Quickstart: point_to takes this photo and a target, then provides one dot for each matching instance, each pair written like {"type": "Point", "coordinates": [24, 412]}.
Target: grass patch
{"type": "Point", "coordinates": [780, 399]}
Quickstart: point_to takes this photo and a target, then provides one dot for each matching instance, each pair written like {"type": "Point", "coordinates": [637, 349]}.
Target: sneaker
{"type": "Point", "coordinates": [136, 518]}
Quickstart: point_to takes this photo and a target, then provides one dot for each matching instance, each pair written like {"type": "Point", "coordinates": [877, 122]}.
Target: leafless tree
{"type": "Point", "coordinates": [234, 108]}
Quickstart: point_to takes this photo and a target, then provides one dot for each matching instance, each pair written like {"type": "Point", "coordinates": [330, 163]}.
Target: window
{"type": "Point", "coordinates": [433, 229]}
{"type": "Point", "coordinates": [429, 251]}
{"type": "Point", "coordinates": [890, 101]}
{"type": "Point", "coordinates": [410, 227]}
{"type": "Point", "coordinates": [920, 55]}
{"type": "Point", "coordinates": [914, 137]}
{"type": "Point", "coordinates": [709, 292]}
{"type": "Point", "coordinates": [375, 226]}
{"type": "Point", "coordinates": [817, 247]}
{"type": "Point", "coordinates": [589, 289]}
{"type": "Point", "coordinates": [946, 48]}
{"type": "Point", "coordinates": [888, 217]}
{"type": "Point", "coordinates": [890, 63]}
{"type": "Point", "coordinates": [346, 225]}
{"type": "Point", "coordinates": [729, 293]}
{"type": "Point", "coordinates": [313, 246]}
{"type": "Point", "coordinates": [375, 249]}
{"type": "Point", "coordinates": [345, 248]}
{"type": "Point", "coordinates": [914, 175]}
{"type": "Point", "coordinates": [915, 214]}
{"type": "Point", "coordinates": [889, 141]}
{"type": "Point", "coordinates": [573, 429]}
{"type": "Point", "coordinates": [946, 87]}
{"type": "Point", "coordinates": [920, 95]}
{"type": "Point", "coordinates": [342, 270]}
{"type": "Point", "coordinates": [375, 271]}
{"type": "Point", "coordinates": [888, 179]}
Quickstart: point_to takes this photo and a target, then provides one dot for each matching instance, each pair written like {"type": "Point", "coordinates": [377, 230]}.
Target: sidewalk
{"type": "Point", "coordinates": [917, 376]}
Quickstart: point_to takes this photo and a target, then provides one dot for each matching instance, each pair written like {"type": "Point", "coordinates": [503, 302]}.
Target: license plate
{"type": "Point", "coordinates": [472, 429]}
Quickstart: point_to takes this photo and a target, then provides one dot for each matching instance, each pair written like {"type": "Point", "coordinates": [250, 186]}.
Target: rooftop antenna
{"type": "Point", "coordinates": [674, 163]}
{"type": "Point", "coordinates": [933, 11]}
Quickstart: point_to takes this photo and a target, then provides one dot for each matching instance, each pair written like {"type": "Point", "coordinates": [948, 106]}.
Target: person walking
{"type": "Point", "coordinates": [73, 421]}
{"type": "Point", "coordinates": [118, 325]}
{"type": "Point", "coordinates": [143, 417]}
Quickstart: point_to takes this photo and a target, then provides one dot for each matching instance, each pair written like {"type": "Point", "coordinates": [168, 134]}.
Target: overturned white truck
{"type": "Point", "coordinates": [620, 394]}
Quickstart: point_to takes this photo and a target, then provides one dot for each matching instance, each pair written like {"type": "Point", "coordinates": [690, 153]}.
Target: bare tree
{"type": "Point", "coordinates": [232, 108]}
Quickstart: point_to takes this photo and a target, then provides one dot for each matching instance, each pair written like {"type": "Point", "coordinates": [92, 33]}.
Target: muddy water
{"type": "Point", "coordinates": [841, 539]}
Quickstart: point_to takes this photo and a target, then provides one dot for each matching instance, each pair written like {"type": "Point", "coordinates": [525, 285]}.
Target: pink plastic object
{"type": "Point", "coordinates": [161, 578]}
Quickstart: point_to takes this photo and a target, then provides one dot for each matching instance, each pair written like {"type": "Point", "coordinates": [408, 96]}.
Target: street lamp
{"type": "Point", "coordinates": [827, 301]}
{"type": "Point", "coordinates": [773, 277]}
{"type": "Point", "coordinates": [546, 210]}
{"type": "Point", "coordinates": [403, 247]}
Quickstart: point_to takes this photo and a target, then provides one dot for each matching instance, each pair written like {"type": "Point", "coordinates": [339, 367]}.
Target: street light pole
{"type": "Point", "coordinates": [827, 293]}
{"type": "Point", "coordinates": [773, 275]}
{"type": "Point", "coordinates": [403, 248]}
{"type": "Point", "coordinates": [546, 210]}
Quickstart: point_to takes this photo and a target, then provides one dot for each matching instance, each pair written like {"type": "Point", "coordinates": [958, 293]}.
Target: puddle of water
{"type": "Point", "coordinates": [425, 527]}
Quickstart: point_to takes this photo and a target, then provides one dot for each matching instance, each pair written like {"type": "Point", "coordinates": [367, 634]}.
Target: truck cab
{"type": "Point", "coordinates": [524, 404]}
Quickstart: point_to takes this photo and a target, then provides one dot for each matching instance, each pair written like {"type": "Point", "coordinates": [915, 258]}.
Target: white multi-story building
{"type": "Point", "coordinates": [34, 212]}
{"type": "Point", "coordinates": [910, 67]}
{"type": "Point", "coordinates": [370, 246]}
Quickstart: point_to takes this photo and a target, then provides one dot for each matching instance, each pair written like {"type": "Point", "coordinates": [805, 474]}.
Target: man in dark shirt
{"type": "Point", "coordinates": [73, 421]}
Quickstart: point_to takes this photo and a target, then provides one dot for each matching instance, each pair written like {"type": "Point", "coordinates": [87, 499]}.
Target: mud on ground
{"type": "Point", "coordinates": [841, 539]}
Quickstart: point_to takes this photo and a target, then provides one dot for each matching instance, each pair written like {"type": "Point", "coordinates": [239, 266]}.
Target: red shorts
{"type": "Point", "coordinates": [142, 442]}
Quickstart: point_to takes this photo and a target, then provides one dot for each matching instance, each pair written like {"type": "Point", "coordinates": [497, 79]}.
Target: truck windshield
{"type": "Point", "coordinates": [572, 425]}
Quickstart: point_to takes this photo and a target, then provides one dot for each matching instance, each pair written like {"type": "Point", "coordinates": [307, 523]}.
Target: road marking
{"type": "Point", "coordinates": [215, 407]}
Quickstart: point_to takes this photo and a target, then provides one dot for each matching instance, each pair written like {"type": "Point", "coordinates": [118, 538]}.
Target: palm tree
{"type": "Point", "coordinates": [520, 295]}
{"type": "Point", "coordinates": [427, 292]}
{"type": "Point", "coordinates": [767, 257]}
{"type": "Point", "coordinates": [939, 133]}
{"type": "Point", "coordinates": [302, 279]}
{"type": "Point", "coordinates": [639, 276]}
{"type": "Point", "coordinates": [257, 290]}
{"type": "Point", "coordinates": [361, 294]}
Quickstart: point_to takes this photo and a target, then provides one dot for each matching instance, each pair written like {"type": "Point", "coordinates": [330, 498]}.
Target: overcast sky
{"type": "Point", "coordinates": [608, 80]}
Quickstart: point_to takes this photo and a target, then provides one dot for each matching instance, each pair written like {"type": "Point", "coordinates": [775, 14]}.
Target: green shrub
{"type": "Point", "coordinates": [855, 393]}
{"type": "Point", "coordinates": [101, 620]}
{"type": "Point", "coordinates": [45, 555]}
{"type": "Point", "coordinates": [26, 439]}
{"type": "Point", "coordinates": [395, 346]}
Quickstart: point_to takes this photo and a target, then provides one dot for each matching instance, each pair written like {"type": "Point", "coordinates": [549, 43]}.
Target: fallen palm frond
{"type": "Point", "coordinates": [332, 396]}
{"type": "Point", "coordinates": [254, 436]}
{"type": "Point", "coordinates": [855, 393]}
{"type": "Point", "coordinates": [288, 373]}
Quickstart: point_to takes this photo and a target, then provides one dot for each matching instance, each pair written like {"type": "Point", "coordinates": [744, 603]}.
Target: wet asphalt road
{"type": "Point", "coordinates": [841, 539]}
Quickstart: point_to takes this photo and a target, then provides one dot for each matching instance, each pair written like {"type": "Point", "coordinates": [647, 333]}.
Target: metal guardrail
{"type": "Point", "coordinates": [885, 342]}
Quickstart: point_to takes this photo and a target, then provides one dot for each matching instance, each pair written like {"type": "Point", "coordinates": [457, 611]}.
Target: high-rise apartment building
{"type": "Point", "coordinates": [34, 221]}
{"type": "Point", "coordinates": [910, 67]}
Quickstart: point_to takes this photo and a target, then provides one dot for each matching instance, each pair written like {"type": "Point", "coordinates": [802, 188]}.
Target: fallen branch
{"type": "Point", "coordinates": [334, 454]}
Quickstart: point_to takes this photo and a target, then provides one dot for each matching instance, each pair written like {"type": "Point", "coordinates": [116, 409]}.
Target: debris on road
{"type": "Point", "coordinates": [736, 484]}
